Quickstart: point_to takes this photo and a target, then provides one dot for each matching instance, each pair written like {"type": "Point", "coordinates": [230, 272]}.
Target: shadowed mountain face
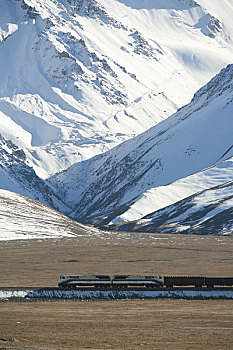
{"type": "Point", "coordinates": [17, 175]}
{"type": "Point", "coordinates": [208, 212]}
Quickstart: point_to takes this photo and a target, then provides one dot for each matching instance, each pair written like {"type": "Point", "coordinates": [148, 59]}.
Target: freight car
{"type": "Point", "coordinates": [184, 281]}
{"type": "Point", "coordinates": [152, 281]}
{"type": "Point", "coordinates": [197, 281]}
{"type": "Point", "coordinates": [218, 281]}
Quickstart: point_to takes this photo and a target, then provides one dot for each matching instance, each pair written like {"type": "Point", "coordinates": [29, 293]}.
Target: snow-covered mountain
{"type": "Point", "coordinates": [80, 76]}
{"type": "Point", "coordinates": [177, 158]}
{"type": "Point", "coordinates": [96, 89]}
{"type": "Point", "coordinates": [24, 218]}
{"type": "Point", "coordinates": [206, 212]}
{"type": "Point", "coordinates": [16, 175]}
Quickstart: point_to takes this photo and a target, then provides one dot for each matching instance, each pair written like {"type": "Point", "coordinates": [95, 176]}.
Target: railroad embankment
{"type": "Point", "coordinates": [56, 294]}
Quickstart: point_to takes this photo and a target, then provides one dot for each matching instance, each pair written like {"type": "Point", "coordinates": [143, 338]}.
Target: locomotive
{"type": "Point", "coordinates": [105, 281]}
{"type": "Point", "coordinates": [151, 281]}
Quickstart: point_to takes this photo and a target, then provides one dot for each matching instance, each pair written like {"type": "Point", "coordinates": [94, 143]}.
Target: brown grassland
{"type": "Point", "coordinates": [126, 324]}
{"type": "Point", "coordinates": [39, 263]}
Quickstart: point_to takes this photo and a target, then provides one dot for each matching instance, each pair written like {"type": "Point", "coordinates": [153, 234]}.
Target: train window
{"type": "Point", "coordinates": [120, 277]}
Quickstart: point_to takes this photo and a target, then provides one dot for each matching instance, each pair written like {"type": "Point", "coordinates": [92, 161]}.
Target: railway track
{"type": "Point", "coordinates": [170, 289]}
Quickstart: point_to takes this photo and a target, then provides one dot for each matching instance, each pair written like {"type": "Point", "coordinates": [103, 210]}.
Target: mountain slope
{"type": "Point", "coordinates": [208, 212]}
{"type": "Point", "coordinates": [163, 196]}
{"type": "Point", "coordinates": [80, 76]}
{"type": "Point", "coordinates": [24, 218]}
{"type": "Point", "coordinates": [16, 175]}
{"type": "Point", "coordinates": [197, 137]}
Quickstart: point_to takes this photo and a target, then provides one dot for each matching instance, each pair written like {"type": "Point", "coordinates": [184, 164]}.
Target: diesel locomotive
{"type": "Point", "coordinates": [145, 281]}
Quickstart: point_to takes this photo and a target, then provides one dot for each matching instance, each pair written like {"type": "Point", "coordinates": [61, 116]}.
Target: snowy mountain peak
{"type": "Point", "coordinates": [128, 181]}
{"type": "Point", "coordinates": [221, 84]}
{"type": "Point", "coordinates": [100, 72]}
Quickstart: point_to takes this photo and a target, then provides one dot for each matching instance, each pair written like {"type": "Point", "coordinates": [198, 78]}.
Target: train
{"type": "Point", "coordinates": [106, 281]}
{"type": "Point", "coordinates": [144, 281]}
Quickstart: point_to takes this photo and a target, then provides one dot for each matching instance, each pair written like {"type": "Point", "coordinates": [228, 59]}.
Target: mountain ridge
{"type": "Point", "coordinates": [87, 84]}
{"type": "Point", "coordinates": [121, 172]}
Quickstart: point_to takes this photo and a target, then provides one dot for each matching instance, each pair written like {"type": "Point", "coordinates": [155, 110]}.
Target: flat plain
{"type": "Point", "coordinates": [40, 262]}
{"type": "Point", "coordinates": [123, 324]}
{"type": "Point", "coordinates": [139, 324]}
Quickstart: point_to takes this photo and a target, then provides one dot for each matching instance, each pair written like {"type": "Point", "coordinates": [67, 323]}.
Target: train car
{"type": "Point", "coordinates": [218, 281]}
{"type": "Point", "coordinates": [125, 281]}
{"type": "Point", "coordinates": [98, 281]}
{"type": "Point", "coordinates": [145, 281]}
{"type": "Point", "coordinates": [183, 281]}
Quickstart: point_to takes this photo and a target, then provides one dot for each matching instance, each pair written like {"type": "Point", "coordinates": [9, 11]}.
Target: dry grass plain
{"type": "Point", "coordinates": [125, 324]}
{"type": "Point", "coordinates": [128, 324]}
{"type": "Point", "coordinates": [39, 263]}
